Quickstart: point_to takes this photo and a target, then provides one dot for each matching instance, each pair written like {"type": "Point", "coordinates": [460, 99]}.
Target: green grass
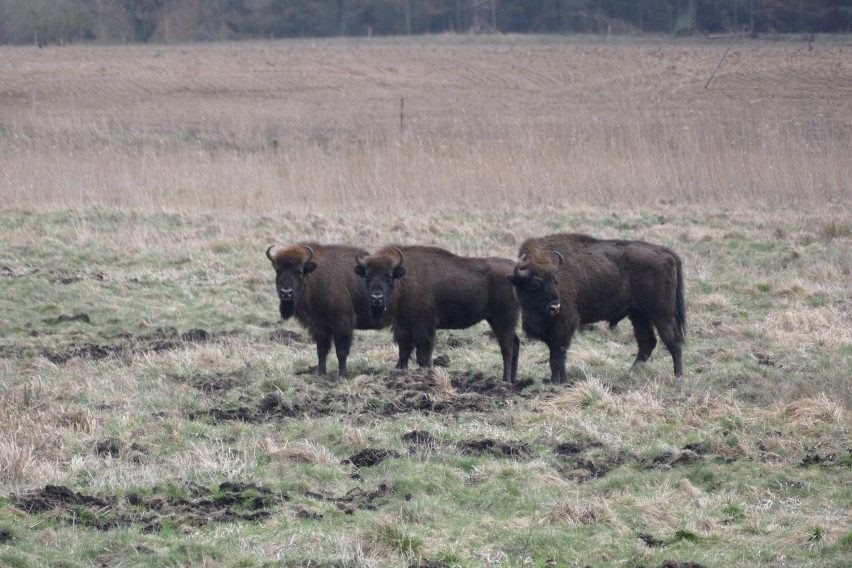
{"type": "Point", "coordinates": [743, 462]}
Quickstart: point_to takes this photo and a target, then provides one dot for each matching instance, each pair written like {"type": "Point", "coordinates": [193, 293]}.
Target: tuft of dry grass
{"type": "Point", "coordinates": [443, 381]}
{"type": "Point", "coordinates": [811, 411]}
{"type": "Point", "coordinates": [308, 452]}
{"type": "Point", "coordinates": [591, 394]}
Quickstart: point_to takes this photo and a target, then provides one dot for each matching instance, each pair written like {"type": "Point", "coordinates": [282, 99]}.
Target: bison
{"type": "Point", "coordinates": [599, 280]}
{"type": "Point", "coordinates": [419, 289]}
{"type": "Point", "coordinates": [315, 284]}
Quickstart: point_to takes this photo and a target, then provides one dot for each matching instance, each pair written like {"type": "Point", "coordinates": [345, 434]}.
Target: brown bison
{"type": "Point", "coordinates": [419, 289]}
{"type": "Point", "coordinates": [315, 283]}
{"type": "Point", "coordinates": [599, 280]}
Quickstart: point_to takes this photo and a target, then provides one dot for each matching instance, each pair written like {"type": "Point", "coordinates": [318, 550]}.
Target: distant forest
{"type": "Point", "coordinates": [165, 21]}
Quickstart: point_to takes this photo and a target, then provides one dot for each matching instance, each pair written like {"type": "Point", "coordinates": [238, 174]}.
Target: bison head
{"type": "Point", "coordinates": [536, 284]}
{"type": "Point", "coordinates": [379, 273]}
{"type": "Point", "coordinates": [292, 265]}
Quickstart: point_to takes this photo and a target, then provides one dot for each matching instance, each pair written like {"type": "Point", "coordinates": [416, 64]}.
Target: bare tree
{"type": "Point", "coordinates": [144, 15]}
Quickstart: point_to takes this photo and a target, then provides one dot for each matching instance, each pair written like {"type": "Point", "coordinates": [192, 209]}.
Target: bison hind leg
{"type": "Point", "coordinates": [643, 329]}
{"type": "Point", "coordinates": [516, 350]}
{"type": "Point", "coordinates": [672, 336]}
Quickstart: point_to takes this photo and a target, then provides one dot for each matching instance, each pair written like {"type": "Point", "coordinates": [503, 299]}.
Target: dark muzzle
{"type": "Point", "coordinates": [553, 308]}
{"type": "Point", "coordinates": [377, 300]}
{"type": "Point", "coordinates": [285, 294]}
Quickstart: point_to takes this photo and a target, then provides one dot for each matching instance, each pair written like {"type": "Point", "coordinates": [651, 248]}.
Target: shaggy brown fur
{"type": "Point", "coordinates": [421, 289]}
{"type": "Point", "coordinates": [564, 281]}
{"type": "Point", "coordinates": [315, 283]}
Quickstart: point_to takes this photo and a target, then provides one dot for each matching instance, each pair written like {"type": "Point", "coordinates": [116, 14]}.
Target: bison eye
{"type": "Point", "coordinates": [535, 284]}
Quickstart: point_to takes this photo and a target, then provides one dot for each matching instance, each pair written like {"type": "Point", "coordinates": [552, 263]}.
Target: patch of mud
{"type": "Point", "coordinates": [498, 450]}
{"type": "Point", "coordinates": [488, 385]}
{"type": "Point", "coordinates": [215, 382]}
{"type": "Point", "coordinates": [231, 502]}
{"type": "Point", "coordinates": [442, 360]}
{"type": "Point", "coordinates": [392, 393]}
{"type": "Point", "coordinates": [592, 461]}
{"type": "Point", "coordinates": [650, 540]}
{"type": "Point", "coordinates": [816, 459]}
{"type": "Point", "coordinates": [355, 499]}
{"type": "Point", "coordinates": [570, 449]}
{"type": "Point", "coordinates": [420, 438]}
{"type": "Point", "coordinates": [275, 407]}
{"type": "Point", "coordinates": [370, 457]}
{"type": "Point", "coordinates": [286, 337]}
{"type": "Point", "coordinates": [115, 448]}
{"type": "Point", "coordinates": [63, 318]}
{"type": "Point", "coordinates": [163, 339]}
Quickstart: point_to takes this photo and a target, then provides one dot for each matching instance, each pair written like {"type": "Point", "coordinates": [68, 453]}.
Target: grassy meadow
{"type": "Point", "coordinates": [155, 411]}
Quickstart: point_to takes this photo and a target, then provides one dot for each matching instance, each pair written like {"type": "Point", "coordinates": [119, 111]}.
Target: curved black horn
{"type": "Point", "coordinates": [269, 256]}
{"type": "Point", "coordinates": [561, 259]}
{"type": "Point", "coordinates": [359, 257]}
{"type": "Point", "coordinates": [310, 253]}
{"type": "Point", "coordinates": [401, 258]}
{"type": "Point", "coordinates": [522, 274]}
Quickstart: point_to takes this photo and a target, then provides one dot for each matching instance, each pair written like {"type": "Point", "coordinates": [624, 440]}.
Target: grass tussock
{"type": "Point", "coordinates": [812, 411]}
{"type": "Point", "coordinates": [308, 452]}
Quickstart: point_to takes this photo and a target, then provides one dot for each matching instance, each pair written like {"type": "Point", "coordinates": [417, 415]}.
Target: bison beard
{"type": "Point", "coordinates": [599, 280]}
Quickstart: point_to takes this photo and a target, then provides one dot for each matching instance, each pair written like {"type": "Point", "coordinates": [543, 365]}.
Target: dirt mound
{"type": "Point", "coordinates": [163, 339]}
{"type": "Point", "coordinates": [370, 457]}
{"type": "Point", "coordinates": [498, 450]}
{"type": "Point", "coordinates": [229, 503]}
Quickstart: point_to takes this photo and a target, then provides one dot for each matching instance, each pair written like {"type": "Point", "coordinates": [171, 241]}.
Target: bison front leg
{"type": "Point", "coordinates": [323, 347]}
{"type": "Point", "coordinates": [558, 353]}
{"type": "Point", "coordinates": [404, 340]}
{"type": "Point", "coordinates": [342, 343]}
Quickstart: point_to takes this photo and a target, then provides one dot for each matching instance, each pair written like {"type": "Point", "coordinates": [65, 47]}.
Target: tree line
{"type": "Point", "coordinates": [112, 21]}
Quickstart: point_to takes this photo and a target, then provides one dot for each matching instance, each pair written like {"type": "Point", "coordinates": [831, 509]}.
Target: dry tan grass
{"type": "Point", "coordinates": [811, 411]}
{"type": "Point", "coordinates": [287, 126]}
{"type": "Point", "coordinates": [826, 324]}
{"type": "Point", "coordinates": [308, 452]}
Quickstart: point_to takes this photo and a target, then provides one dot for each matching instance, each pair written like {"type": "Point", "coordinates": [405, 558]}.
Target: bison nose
{"type": "Point", "coordinates": [377, 298]}
{"type": "Point", "coordinates": [553, 308]}
{"type": "Point", "coordinates": [286, 293]}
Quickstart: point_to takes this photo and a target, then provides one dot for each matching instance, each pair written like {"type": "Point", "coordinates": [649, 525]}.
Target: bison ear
{"type": "Point", "coordinates": [310, 266]}
{"type": "Point", "coordinates": [360, 271]}
{"type": "Point", "coordinates": [398, 272]}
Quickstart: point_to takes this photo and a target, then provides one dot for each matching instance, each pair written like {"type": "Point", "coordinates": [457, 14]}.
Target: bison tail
{"type": "Point", "coordinates": [680, 305]}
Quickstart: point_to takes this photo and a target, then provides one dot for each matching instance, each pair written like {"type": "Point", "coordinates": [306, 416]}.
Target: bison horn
{"type": "Point", "coordinates": [359, 257]}
{"type": "Point", "coordinates": [310, 253]}
{"type": "Point", "coordinates": [522, 274]}
{"type": "Point", "coordinates": [560, 258]}
{"type": "Point", "coordinates": [401, 258]}
{"type": "Point", "coordinates": [269, 253]}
